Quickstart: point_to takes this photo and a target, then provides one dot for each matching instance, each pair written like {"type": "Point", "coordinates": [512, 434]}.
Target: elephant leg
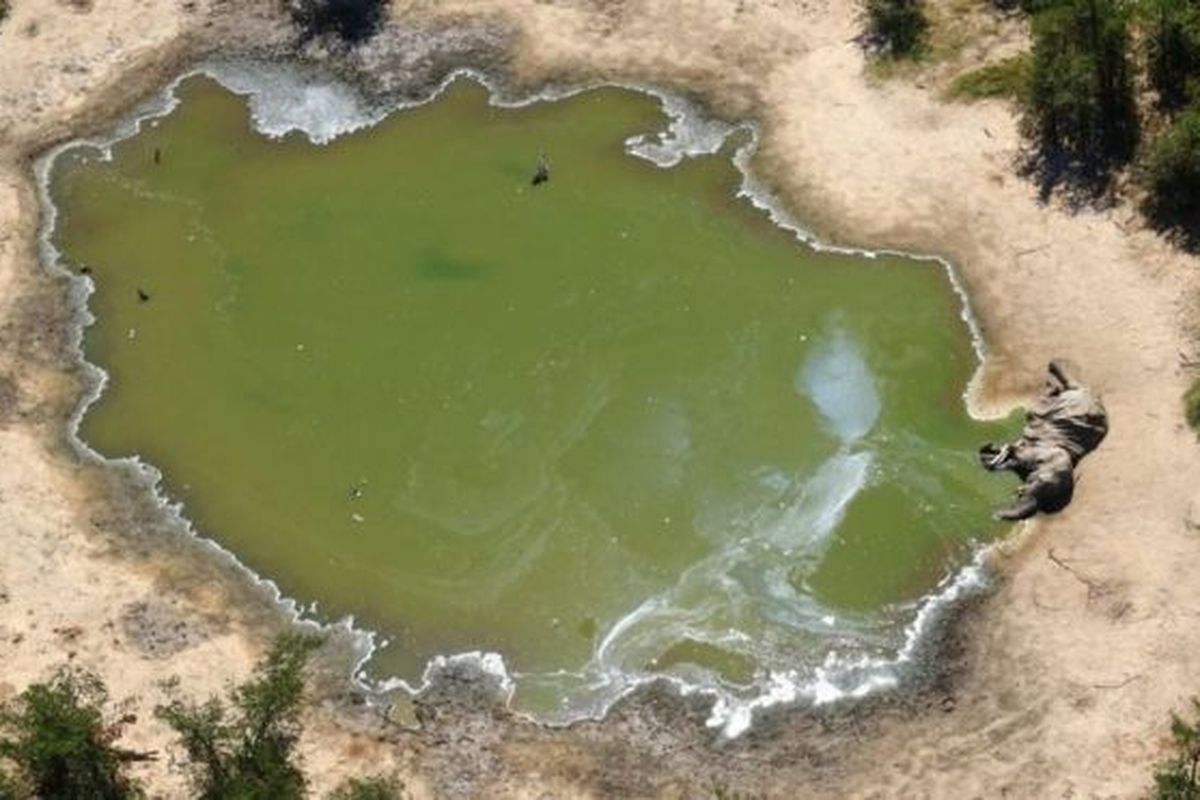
{"type": "Point", "coordinates": [1024, 507]}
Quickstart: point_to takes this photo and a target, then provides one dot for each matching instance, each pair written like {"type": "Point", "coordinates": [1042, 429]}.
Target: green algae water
{"type": "Point", "coordinates": [614, 426]}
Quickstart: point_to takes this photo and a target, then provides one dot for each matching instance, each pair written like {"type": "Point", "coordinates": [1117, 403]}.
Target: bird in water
{"type": "Point", "coordinates": [143, 297]}
{"type": "Point", "coordinates": [542, 173]}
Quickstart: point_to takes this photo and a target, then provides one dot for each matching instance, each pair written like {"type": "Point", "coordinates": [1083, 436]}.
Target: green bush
{"type": "Point", "coordinates": [353, 21]}
{"type": "Point", "coordinates": [1178, 778]}
{"type": "Point", "coordinates": [896, 26]}
{"type": "Point", "coordinates": [245, 750]}
{"type": "Point", "coordinates": [55, 742]}
{"type": "Point", "coordinates": [1191, 405]}
{"type": "Point", "coordinates": [1170, 174]}
{"type": "Point", "coordinates": [1007, 78]}
{"type": "Point", "coordinates": [1081, 110]}
{"type": "Point", "coordinates": [3, 9]}
{"type": "Point", "coordinates": [379, 787]}
{"type": "Point", "coordinates": [1172, 40]}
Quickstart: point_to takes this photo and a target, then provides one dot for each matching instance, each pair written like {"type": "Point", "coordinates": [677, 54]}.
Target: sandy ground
{"type": "Point", "coordinates": [1066, 674]}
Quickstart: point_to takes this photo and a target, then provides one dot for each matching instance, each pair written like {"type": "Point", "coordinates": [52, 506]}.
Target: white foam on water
{"type": "Point", "coordinates": [689, 134]}
{"type": "Point", "coordinates": [285, 99]}
{"type": "Point", "coordinates": [840, 383]}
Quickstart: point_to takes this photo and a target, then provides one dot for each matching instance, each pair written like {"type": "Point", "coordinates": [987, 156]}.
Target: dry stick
{"type": "Point", "coordinates": [1120, 685]}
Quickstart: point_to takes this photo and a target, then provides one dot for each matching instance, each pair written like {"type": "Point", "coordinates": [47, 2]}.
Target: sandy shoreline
{"type": "Point", "coordinates": [1067, 672]}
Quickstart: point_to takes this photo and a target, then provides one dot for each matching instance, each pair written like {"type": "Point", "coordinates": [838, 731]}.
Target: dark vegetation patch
{"type": "Point", "coordinates": [896, 27]}
{"type": "Point", "coordinates": [1178, 778]}
{"type": "Point", "coordinates": [59, 739]}
{"type": "Point", "coordinates": [1172, 49]}
{"type": "Point", "coordinates": [1081, 117]}
{"type": "Point", "coordinates": [1191, 404]}
{"type": "Point", "coordinates": [352, 21]}
{"type": "Point", "coordinates": [1170, 176]}
{"type": "Point", "coordinates": [1170, 165]}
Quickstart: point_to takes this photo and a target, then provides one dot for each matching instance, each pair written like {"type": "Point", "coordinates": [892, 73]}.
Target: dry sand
{"type": "Point", "coordinates": [1065, 675]}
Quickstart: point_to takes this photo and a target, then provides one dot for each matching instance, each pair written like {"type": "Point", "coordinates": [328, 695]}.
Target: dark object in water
{"type": "Point", "coordinates": [353, 21]}
{"type": "Point", "coordinates": [143, 296]}
{"type": "Point", "coordinates": [157, 155]}
{"type": "Point", "coordinates": [1063, 425]}
{"type": "Point", "coordinates": [85, 270]}
{"type": "Point", "coordinates": [542, 173]}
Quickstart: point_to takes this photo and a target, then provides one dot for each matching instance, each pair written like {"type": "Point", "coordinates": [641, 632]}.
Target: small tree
{"type": "Point", "coordinates": [57, 742]}
{"type": "Point", "coordinates": [1081, 110]}
{"type": "Point", "coordinates": [1179, 777]}
{"type": "Point", "coordinates": [244, 750]}
{"type": "Point", "coordinates": [1172, 48]}
{"type": "Point", "coordinates": [897, 26]}
{"type": "Point", "coordinates": [1170, 174]}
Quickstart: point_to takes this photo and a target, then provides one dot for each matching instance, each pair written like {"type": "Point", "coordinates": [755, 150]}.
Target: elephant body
{"type": "Point", "coordinates": [1065, 423]}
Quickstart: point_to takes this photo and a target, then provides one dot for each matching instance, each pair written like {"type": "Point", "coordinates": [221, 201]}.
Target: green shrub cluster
{"type": "Point", "coordinates": [244, 749]}
{"type": "Point", "coordinates": [1170, 174]}
{"type": "Point", "coordinates": [1081, 111]}
{"type": "Point", "coordinates": [1172, 38]}
{"type": "Point", "coordinates": [1178, 778]}
{"type": "Point", "coordinates": [1170, 165]}
{"type": "Point", "coordinates": [1191, 405]}
{"type": "Point", "coordinates": [1080, 103]}
{"type": "Point", "coordinates": [896, 26]}
{"type": "Point", "coordinates": [58, 741]}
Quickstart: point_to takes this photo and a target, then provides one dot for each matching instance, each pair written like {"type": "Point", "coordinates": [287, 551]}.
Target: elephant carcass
{"type": "Point", "coordinates": [1065, 423]}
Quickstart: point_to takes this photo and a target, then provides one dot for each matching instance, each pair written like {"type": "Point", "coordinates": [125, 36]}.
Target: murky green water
{"type": "Point", "coordinates": [613, 425]}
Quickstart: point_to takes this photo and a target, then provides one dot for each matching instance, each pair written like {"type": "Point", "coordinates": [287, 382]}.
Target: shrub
{"type": "Point", "coordinates": [244, 750]}
{"type": "Point", "coordinates": [1007, 78]}
{"type": "Point", "coordinates": [1170, 174]}
{"type": "Point", "coordinates": [379, 787]}
{"type": "Point", "coordinates": [1172, 48]}
{"type": "Point", "coordinates": [896, 26]}
{"type": "Point", "coordinates": [1178, 778]}
{"type": "Point", "coordinates": [353, 21]}
{"type": "Point", "coordinates": [57, 742]}
{"type": "Point", "coordinates": [1081, 110]}
{"type": "Point", "coordinates": [1191, 405]}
